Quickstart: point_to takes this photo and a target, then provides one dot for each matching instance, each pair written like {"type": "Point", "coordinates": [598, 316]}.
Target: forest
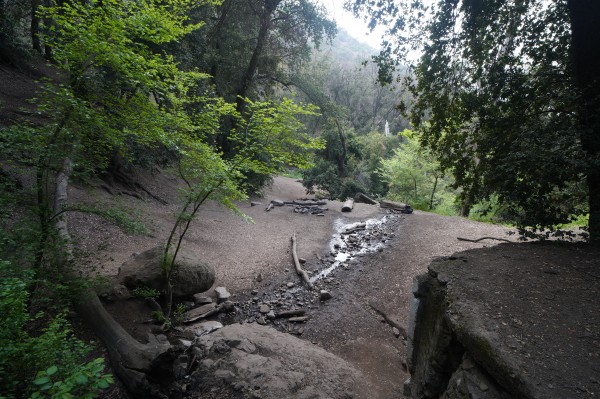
{"type": "Point", "coordinates": [498, 120]}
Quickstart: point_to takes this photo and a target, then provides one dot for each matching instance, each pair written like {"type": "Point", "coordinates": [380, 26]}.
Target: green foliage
{"type": "Point", "coordinates": [85, 383]}
{"type": "Point", "coordinates": [323, 176]}
{"type": "Point", "coordinates": [14, 32]}
{"type": "Point", "coordinates": [491, 211]}
{"type": "Point", "coordinates": [413, 175]}
{"type": "Point", "coordinates": [169, 321]}
{"type": "Point", "coordinates": [497, 100]}
{"type": "Point", "coordinates": [230, 43]}
{"type": "Point", "coordinates": [271, 137]}
{"type": "Point", "coordinates": [145, 292]}
{"type": "Point", "coordinates": [55, 351]}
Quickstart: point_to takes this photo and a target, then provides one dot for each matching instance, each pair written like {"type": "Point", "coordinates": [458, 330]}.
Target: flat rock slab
{"type": "Point", "coordinates": [205, 327]}
{"type": "Point", "coordinates": [257, 361]}
{"type": "Point", "coordinates": [196, 313]}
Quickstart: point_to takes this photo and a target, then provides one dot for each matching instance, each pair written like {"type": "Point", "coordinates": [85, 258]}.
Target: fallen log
{"type": "Point", "coordinates": [299, 270]}
{"type": "Point", "coordinates": [132, 361]}
{"type": "Point", "coordinates": [397, 206]}
{"type": "Point", "coordinates": [211, 310]}
{"type": "Point", "coordinates": [269, 207]}
{"type": "Point", "coordinates": [348, 205]}
{"type": "Point", "coordinates": [306, 203]}
{"type": "Point", "coordinates": [361, 197]}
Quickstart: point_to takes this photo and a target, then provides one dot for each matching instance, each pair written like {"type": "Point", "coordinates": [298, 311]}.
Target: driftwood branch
{"type": "Point", "coordinates": [482, 238]}
{"type": "Point", "coordinates": [397, 206]}
{"type": "Point", "coordinates": [290, 313]}
{"type": "Point", "coordinates": [361, 197]}
{"type": "Point", "coordinates": [354, 227]}
{"type": "Point", "coordinates": [226, 306]}
{"type": "Point", "coordinates": [301, 272]}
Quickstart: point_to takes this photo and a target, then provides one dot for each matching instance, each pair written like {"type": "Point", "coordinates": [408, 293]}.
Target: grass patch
{"type": "Point", "coordinates": [125, 219]}
{"type": "Point", "coordinates": [292, 173]}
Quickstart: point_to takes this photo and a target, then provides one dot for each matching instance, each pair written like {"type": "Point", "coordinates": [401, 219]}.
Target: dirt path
{"type": "Point", "coordinates": [346, 325]}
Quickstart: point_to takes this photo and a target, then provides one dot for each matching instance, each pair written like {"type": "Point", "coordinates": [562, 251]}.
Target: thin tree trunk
{"type": "Point", "coordinates": [47, 23]}
{"type": "Point", "coordinates": [342, 158]}
{"type": "Point", "coordinates": [35, 26]}
{"type": "Point", "coordinates": [433, 193]}
{"type": "Point", "coordinates": [415, 183]}
{"type": "Point", "coordinates": [2, 22]}
{"type": "Point", "coordinates": [585, 30]}
{"type": "Point", "coordinates": [61, 200]}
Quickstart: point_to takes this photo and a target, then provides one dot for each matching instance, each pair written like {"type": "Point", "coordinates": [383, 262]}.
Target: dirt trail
{"type": "Point", "coordinates": [346, 325]}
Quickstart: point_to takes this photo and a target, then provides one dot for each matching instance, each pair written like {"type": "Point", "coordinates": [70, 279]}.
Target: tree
{"type": "Point", "coordinates": [413, 174]}
{"type": "Point", "coordinates": [510, 98]}
{"type": "Point", "coordinates": [252, 45]}
{"type": "Point", "coordinates": [115, 87]}
{"type": "Point", "coordinates": [268, 139]}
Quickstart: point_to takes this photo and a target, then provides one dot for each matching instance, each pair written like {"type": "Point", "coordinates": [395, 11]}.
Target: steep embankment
{"type": "Point", "coordinates": [513, 321]}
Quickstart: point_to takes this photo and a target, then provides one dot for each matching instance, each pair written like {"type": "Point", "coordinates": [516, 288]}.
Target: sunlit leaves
{"type": "Point", "coordinates": [271, 137]}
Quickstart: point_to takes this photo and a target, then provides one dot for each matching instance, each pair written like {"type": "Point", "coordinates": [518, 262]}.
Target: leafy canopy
{"type": "Point", "coordinates": [495, 99]}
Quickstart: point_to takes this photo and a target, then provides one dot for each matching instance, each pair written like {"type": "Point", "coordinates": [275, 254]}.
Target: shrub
{"type": "Point", "coordinates": [48, 365]}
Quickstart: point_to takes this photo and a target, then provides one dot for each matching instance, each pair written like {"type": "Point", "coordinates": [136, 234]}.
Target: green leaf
{"type": "Point", "coordinates": [52, 370]}
{"type": "Point", "coordinates": [103, 384]}
{"type": "Point", "coordinates": [81, 379]}
{"type": "Point", "coordinates": [41, 380]}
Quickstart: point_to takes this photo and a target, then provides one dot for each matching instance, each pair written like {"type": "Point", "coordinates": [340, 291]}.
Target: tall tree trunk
{"type": "Point", "coordinates": [2, 21]}
{"type": "Point", "coordinates": [215, 42]}
{"type": "Point", "coordinates": [269, 7]}
{"type": "Point", "coordinates": [585, 30]}
{"type": "Point", "coordinates": [35, 26]}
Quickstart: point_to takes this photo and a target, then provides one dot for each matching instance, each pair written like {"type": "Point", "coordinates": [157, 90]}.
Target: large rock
{"type": "Point", "coordinates": [145, 269]}
{"type": "Point", "coordinates": [256, 361]}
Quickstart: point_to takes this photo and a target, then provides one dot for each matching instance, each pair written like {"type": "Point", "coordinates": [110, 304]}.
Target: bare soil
{"type": "Point", "coordinates": [253, 259]}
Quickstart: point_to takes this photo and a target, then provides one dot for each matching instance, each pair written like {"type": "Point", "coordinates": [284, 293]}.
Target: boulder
{"type": "Point", "coordinates": [222, 294]}
{"type": "Point", "coordinates": [263, 362]}
{"type": "Point", "coordinates": [145, 270]}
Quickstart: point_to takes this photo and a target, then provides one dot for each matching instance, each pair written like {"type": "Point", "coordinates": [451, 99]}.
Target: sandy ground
{"type": "Point", "coordinates": [239, 250]}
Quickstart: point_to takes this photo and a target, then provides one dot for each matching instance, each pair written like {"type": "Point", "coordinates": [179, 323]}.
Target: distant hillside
{"type": "Point", "coordinates": [348, 52]}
